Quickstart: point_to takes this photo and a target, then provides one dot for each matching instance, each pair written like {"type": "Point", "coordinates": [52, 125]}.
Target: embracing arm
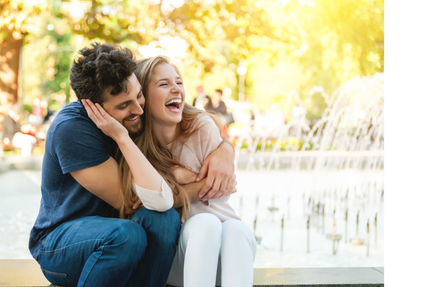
{"type": "Point", "coordinates": [157, 194]}
{"type": "Point", "coordinates": [192, 190]}
{"type": "Point", "coordinates": [107, 189]}
{"type": "Point", "coordinates": [219, 169]}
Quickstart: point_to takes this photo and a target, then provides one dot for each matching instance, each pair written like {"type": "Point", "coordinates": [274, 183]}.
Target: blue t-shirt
{"type": "Point", "coordinates": [73, 142]}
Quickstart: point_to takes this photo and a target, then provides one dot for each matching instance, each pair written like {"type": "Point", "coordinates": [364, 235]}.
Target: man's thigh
{"type": "Point", "coordinates": [65, 250]}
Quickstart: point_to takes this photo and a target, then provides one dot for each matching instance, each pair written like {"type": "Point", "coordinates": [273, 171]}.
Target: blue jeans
{"type": "Point", "coordinates": [98, 251]}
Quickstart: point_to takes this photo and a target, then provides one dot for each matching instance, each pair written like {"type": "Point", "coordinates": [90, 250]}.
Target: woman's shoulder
{"type": "Point", "coordinates": [203, 117]}
{"type": "Point", "coordinates": [205, 123]}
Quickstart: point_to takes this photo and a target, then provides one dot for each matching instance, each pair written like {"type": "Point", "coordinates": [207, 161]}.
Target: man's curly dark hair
{"type": "Point", "coordinates": [100, 68]}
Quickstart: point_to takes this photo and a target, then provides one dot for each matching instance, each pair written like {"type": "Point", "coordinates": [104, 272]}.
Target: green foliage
{"type": "Point", "coordinates": [286, 44]}
{"type": "Point", "coordinates": [19, 18]}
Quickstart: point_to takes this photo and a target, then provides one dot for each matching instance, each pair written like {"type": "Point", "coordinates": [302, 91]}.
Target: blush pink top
{"type": "Point", "coordinates": [192, 153]}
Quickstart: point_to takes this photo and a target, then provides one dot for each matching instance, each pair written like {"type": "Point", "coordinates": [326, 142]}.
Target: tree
{"type": "Point", "coordinates": [18, 20]}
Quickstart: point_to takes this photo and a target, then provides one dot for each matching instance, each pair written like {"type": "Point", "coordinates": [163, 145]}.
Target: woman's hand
{"type": "Point", "coordinates": [183, 176]}
{"type": "Point", "coordinates": [109, 126]}
{"type": "Point", "coordinates": [137, 202]}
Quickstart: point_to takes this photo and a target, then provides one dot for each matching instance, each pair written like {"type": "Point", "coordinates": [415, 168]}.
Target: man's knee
{"type": "Point", "coordinates": [128, 239]}
{"type": "Point", "coordinates": [168, 226]}
{"type": "Point", "coordinates": [172, 220]}
{"type": "Point", "coordinates": [164, 226]}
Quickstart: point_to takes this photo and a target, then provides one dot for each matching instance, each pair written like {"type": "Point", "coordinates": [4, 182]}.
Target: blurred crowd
{"type": "Point", "coordinates": [214, 105]}
{"type": "Point", "coordinates": [24, 130]}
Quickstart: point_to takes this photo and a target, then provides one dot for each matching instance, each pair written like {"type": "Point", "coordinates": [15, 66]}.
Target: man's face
{"type": "Point", "coordinates": [127, 108]}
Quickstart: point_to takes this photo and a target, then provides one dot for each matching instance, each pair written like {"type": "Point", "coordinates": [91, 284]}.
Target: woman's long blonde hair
{"type": "Point", "coordinates": [159, 156]}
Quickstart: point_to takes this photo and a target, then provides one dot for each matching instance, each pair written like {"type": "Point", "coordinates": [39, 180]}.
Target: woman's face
{"type": "Point", "coordinates": [166, 96]}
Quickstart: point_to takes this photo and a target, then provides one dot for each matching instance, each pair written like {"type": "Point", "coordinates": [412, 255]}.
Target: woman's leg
{"type": "Point", "coordinates": [196, 260]}
{"type": "Point", "coordinates": [238, 249]}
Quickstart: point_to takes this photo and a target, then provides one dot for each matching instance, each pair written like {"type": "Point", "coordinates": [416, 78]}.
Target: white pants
{"type": "Point", "coordinates": [213, 252]}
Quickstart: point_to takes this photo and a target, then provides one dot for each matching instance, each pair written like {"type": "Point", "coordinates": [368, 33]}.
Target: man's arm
{"type": "Point", "coordinates": [108, 189]}
{"type": "Point", "coordinates": [101, 180]}
{"type": "Point", "coordinates": [192, 190]}
{"type": "Point", "coordinates": [144, 174]}
{"type": "Point", "coordinates": [218, 167]}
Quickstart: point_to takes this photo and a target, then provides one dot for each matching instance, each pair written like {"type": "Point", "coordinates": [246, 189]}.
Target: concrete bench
{"type": "Point", "coordinates": [26, 272]}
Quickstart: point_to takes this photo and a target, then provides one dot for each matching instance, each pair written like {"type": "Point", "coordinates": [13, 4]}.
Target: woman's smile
{"type": "Point", "coordinates": [174, 105]}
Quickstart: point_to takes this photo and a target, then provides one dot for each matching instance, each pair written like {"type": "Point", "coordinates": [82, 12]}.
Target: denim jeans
{"type": "Point", "coordinates": [98, 251]}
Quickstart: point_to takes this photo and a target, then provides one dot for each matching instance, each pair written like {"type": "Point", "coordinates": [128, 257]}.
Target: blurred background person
{"type": "Point", "coordinates": [16, 135]}
{"type": "Point", "coordinates": [37, 115]}
{"type": "Point", "coordinates": [45, 107]}
{"type": "Point", "coordinates": [202, 100]}
{"type": "Point", "coordinates": [219, 107]}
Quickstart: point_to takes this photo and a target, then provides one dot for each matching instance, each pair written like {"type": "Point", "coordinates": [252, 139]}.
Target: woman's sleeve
{"type": "Point", "coordinates": [155, 200]}
{"type": "Point", "coordinates": [209, 137]}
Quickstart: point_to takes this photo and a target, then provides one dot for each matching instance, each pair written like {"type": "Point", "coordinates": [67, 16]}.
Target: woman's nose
{"type": "Point", "coordinates": [176, 88]}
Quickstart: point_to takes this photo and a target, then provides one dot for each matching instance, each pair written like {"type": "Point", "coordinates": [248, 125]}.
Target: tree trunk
{"type": "Point", "coordinates": [9, 70]}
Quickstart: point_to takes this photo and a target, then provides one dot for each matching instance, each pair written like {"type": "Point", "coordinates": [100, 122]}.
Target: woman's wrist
{"type": "Point", "coordinates": [123, 140]}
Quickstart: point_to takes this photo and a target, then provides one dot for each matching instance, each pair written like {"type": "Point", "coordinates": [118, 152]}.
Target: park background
{"type": "Point", "coordinates": [408, 59]}
{"type": "Point", "coordinates": [285, 45]}
{"type": "Point", "coordinates": [283, 61]}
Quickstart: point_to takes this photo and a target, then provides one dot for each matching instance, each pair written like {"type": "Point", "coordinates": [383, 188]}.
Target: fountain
{"type": "Point", "coordinates": [334, 237]}
{"type": "Point", "coordinates": [282, 232]}
{"type": "Point", "coordinates": [324, 166]}
{"type": "Point", "coordinates": [368, 237]}
{"type": "Point", "coordinates": [376, 229]}
{"type": "Point", "coordinates": [272, 208]}
{"type": "Point", "coordinates": [356, 240]}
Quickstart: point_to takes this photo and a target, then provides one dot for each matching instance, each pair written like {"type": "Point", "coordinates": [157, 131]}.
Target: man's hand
{"type": "Point", "coordinates": [192, 190]}
{"type": "Point", "coordinates": [219, 168]}
{"type": "Point", "coordinates": [183, 176]}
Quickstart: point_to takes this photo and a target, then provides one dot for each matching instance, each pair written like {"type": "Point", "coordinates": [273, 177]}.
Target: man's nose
{"type": "Point", "coordinates": [137, 108]}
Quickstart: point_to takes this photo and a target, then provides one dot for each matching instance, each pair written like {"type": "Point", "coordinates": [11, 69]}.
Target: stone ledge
{"type": "Point", "coordinates": [26, 273]}
{"type": "Point", "coordinates": [326, 276]}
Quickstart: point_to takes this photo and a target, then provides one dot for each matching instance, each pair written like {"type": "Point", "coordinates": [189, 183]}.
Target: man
{"type": "Point", "coordinates": [220, 109]}
{"type": "Point", "coordinates": [78, 238]}
{"type": "Point", "coordinates": [218, 105]}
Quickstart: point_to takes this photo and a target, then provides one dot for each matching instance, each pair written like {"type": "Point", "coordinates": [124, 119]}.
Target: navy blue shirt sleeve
{"type": "Point", "coordinates": [79, 144]}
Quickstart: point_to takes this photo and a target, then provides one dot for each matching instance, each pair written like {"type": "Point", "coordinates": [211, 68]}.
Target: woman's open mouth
{"type": "Point", "coordinates": [174, 105]}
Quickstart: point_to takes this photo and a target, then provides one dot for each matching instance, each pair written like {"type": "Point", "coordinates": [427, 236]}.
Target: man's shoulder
{"type": "Point", "coordinates": [73, 124]}
{"type": "Point", "coordinates": [72, 111]}
{"type": "Point", "coordinates": [71, 115]}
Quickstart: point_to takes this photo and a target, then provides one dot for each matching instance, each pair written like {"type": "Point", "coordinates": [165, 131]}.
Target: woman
{"type": "Point", "coordinates": [214, 247]}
